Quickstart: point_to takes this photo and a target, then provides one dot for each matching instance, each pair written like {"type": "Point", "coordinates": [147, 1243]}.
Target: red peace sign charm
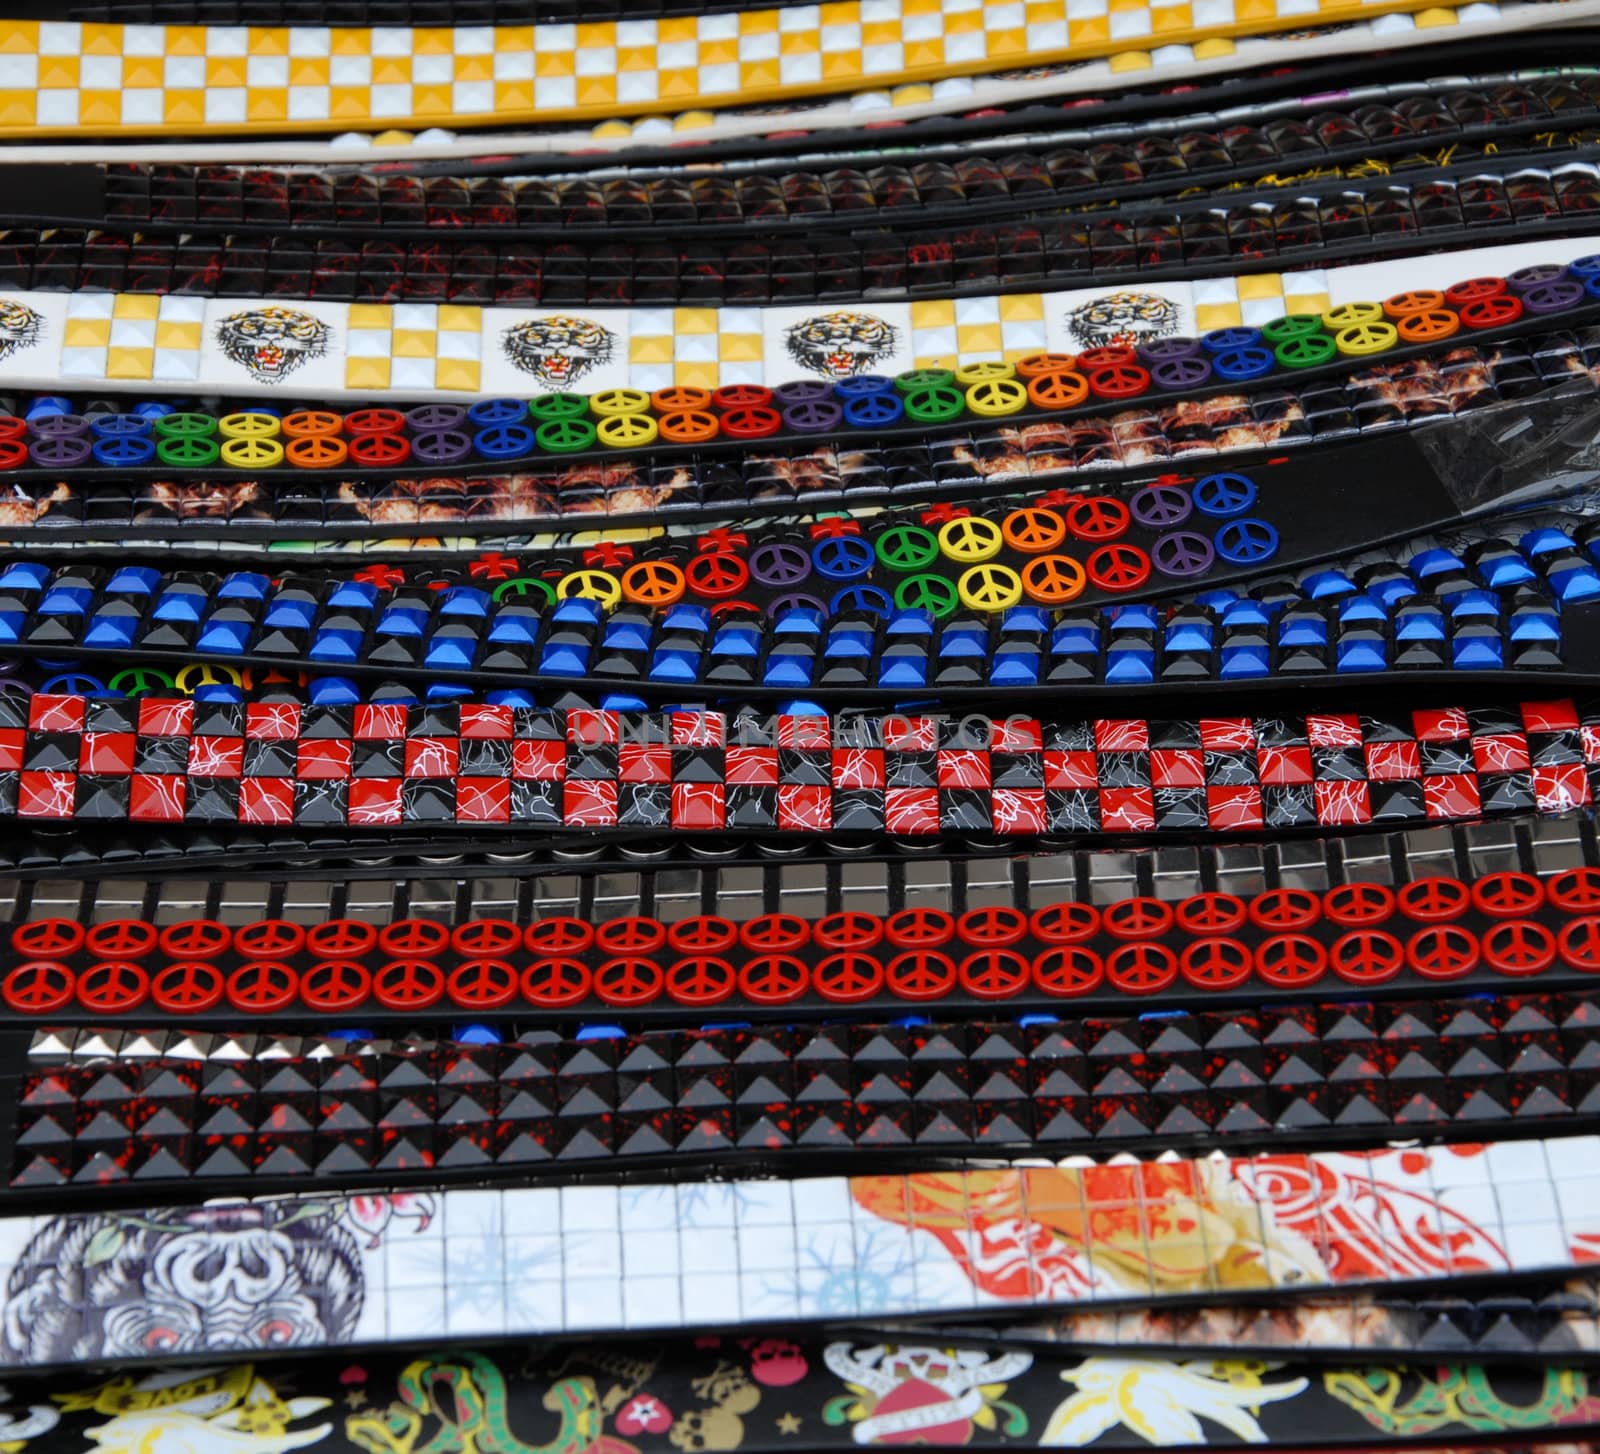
{"type": "Point", "coordinates": [482, 984]}
{"type": "Point", "coordinates": [121, 939]}
{"type": "Point", "coordinates": [200, 938]}
{"type": "Point", "coordinates": [921, 974]}
{"type": "Point", "coordinates": [39, 987]}
{"type": "Point", "coordinates": [1067, 971]}
{"type": "Point", "coordinates": [774, 979]}
{"type": "Point", "coordinates": [1142, 968]}
{"type": "Point", "coordinates": [1210, 913]}
{"type": "Point", "coordinates": [702, 979]}
{"type": "Point", "coordinates": [1367, 956]}
{"type": "Point", "coordinates": [994, 974]}
{"type": "Point", "coordinates": [1290, 960]}
{"type": "Point", "coordinates": [555, 982]}
{"type": "Point", "coordinates": [1065, 923]}
{"type": "Point", "coordinates": [47, 938]}
{"type": "Point", "coordinates": [703, 934]}
{"type": "Point", "coordinates": [629, 980]}
{"type": "Point", "coordinates": [262, 987]}
{"type": "Point", "coordinates": [1097, 517]}
{"type": "Point", "coordinates": [113, 986]}
{"type": "Point", "coordinates": [408, 984]}
{"type": "Point", "coordinates": [1118, 567]}
{"type": "Point", "coordinates": [1285, 909]}
{"type": "Point", "coordinates": [1507, 895]}
{"type": "Point", "coordinates": [630, 936]}
{"type": "Point", "coordinates": [1579, 944]}
{"type": "Point", "coordinates": [919, 928]}
{"type": "Point", "coordinates": [1574, 891]}
{"type": "Point", "coordinates": [994, 927]}
{"type": "Point", "coordinates": [1216, 963]}
{"type": "Point", "coordinates": [848, 929]}
{"type": "Point", "coordinates": [1434, 900]}
{"type": "Point", "coordinates": [269, 939]}
{"type": "Point", "coordinates": [848, 978]}
{"type": "Point", "coordinates": [341, 939]}
{"type": "Point", "coordinates": [557, 936]}
{"type": "Point", "coordinates": [774, 933]}
{"type": "Point", "coordinates": [1442, 951]}
{"type": "Point", "coordinates": [492, 937]}
{"type": "Point", "coordinates": [414, 939]}
{"type": "Point", "coordinates": [335, 984]}
{"type": "Point", "coordinates": [188, 988]}
{"type": "Point", "coordinates": [717, 576]}
{"type": "Point", "coordinates": [1519, 947]}
{"type": "Point", "coordinates": [1137, 918]}
{"type": "Point", "coordinates": [1358, 905]}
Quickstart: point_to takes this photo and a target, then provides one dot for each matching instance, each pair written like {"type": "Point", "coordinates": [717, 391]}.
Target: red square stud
{"type": "Point", "coordinates": [1451, 795]}
{"type": "Point", "coordinates": [47, 794]}
{"type": "Point", "coordinates": [1128, 734]}
{"type": "Point", "coordinates": [590, 804]}
{"type": "Point", "coordinates": [698, 807]}
{"type": "Point", "coordinates": [593, 729]}
{"type": "Point", "coordinates": [912, 811]}
{"type": "Point", "coordinates": [10, 749]}
{"type": "Point", "coordinates": [165, 717]}
{"type": "Point", "coordinates": [157, 797]}
{"type": "Point", "coordinates": [857, 767]}
{"type": "Point", "coordinates": [1447, 724]}
{"type": "Point", "coordinates": [910, 734]}
{"type": "Point", "coordinates": [644, 762]}
{"type": "Point", "coordinates": [272, 721]}
{"type": "Point", "coordinates": [811, 733]}
{"type": "Point", "coordinates": [755, 767]}
{"type": "Point", "coordinates": [486, 721]}
{"type": "Point", "coordinates": [323, 758]}
{"type": "Point", "coordinates": [699, 729]}
{"type": "Point", "coordinates": [1127, 810]}
{"type": "Point", "coordinates": [1391, 761]}
{"type": "Point", "coordinates": [1561, 786]}
{"type": "Point", "coordinates": [1557, 716]}
{"type": "Point", "coordinates": [962, 768]}
{"type": "Point", "coordinates": [1227, 734]}
{"type": "Point", "coordinates": [216, 756]}
{"type": "Point", "coordinates": [1591, 741]}
{"type": "Point", "coordinates": [1018, 810]}
{"type": "Point", "coordinates": [1234, 807]}
{"type": "Point", "coordinates": [1017, 734]}
{"type": "Point", "coordinates": [1340, 729]}
{"type": "Point", "coordinates": [1071, 770]}
{"type": "Point", "coordinates": [433, 757]}
{"type": "Point", "coordinates": [266, 800]}
{"type": "Point", "coordinates": [1177, 767]}
{"type": "Point", "coordinates": [539, 761]}
{"type": "Point", "coordinates": [375, 801]}
{"type": "Point", "coordinates": [1342, 803]}
{"type": "Point", "coordinates": [108, 753]}
{"type": "Point", "coordinates": [1282, 767]}
{"type": "Point", "coordinates": [804, 807]}
{"type": "Point", "coordinates": [371, 721]}
{"type": "Point", "coordinates": [58, 712]}
{"type": "Point", "coordinates": [483, 800]}
{"type": "Point", "coordinates": [1503, 752]}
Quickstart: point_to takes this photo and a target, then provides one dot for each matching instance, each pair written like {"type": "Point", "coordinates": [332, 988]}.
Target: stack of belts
{"type": "Point", "coordinates": [778, 728]}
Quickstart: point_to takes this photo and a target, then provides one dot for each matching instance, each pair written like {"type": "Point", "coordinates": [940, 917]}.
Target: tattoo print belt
{"type": "Point", "coordinates": [604, 1259]}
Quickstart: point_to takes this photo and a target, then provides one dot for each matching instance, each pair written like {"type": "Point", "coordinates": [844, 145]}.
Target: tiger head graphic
{"type": "Point", "coordinates": [1123, 318]}
{"type": "Point", "coordinates": [20, 327]}
{"type": "Point", "coordinates": [558, 351]}
{"type": "Point", "coordinates": [271, 343]}
{"type": "Point", "coordinates": [840, 345]}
